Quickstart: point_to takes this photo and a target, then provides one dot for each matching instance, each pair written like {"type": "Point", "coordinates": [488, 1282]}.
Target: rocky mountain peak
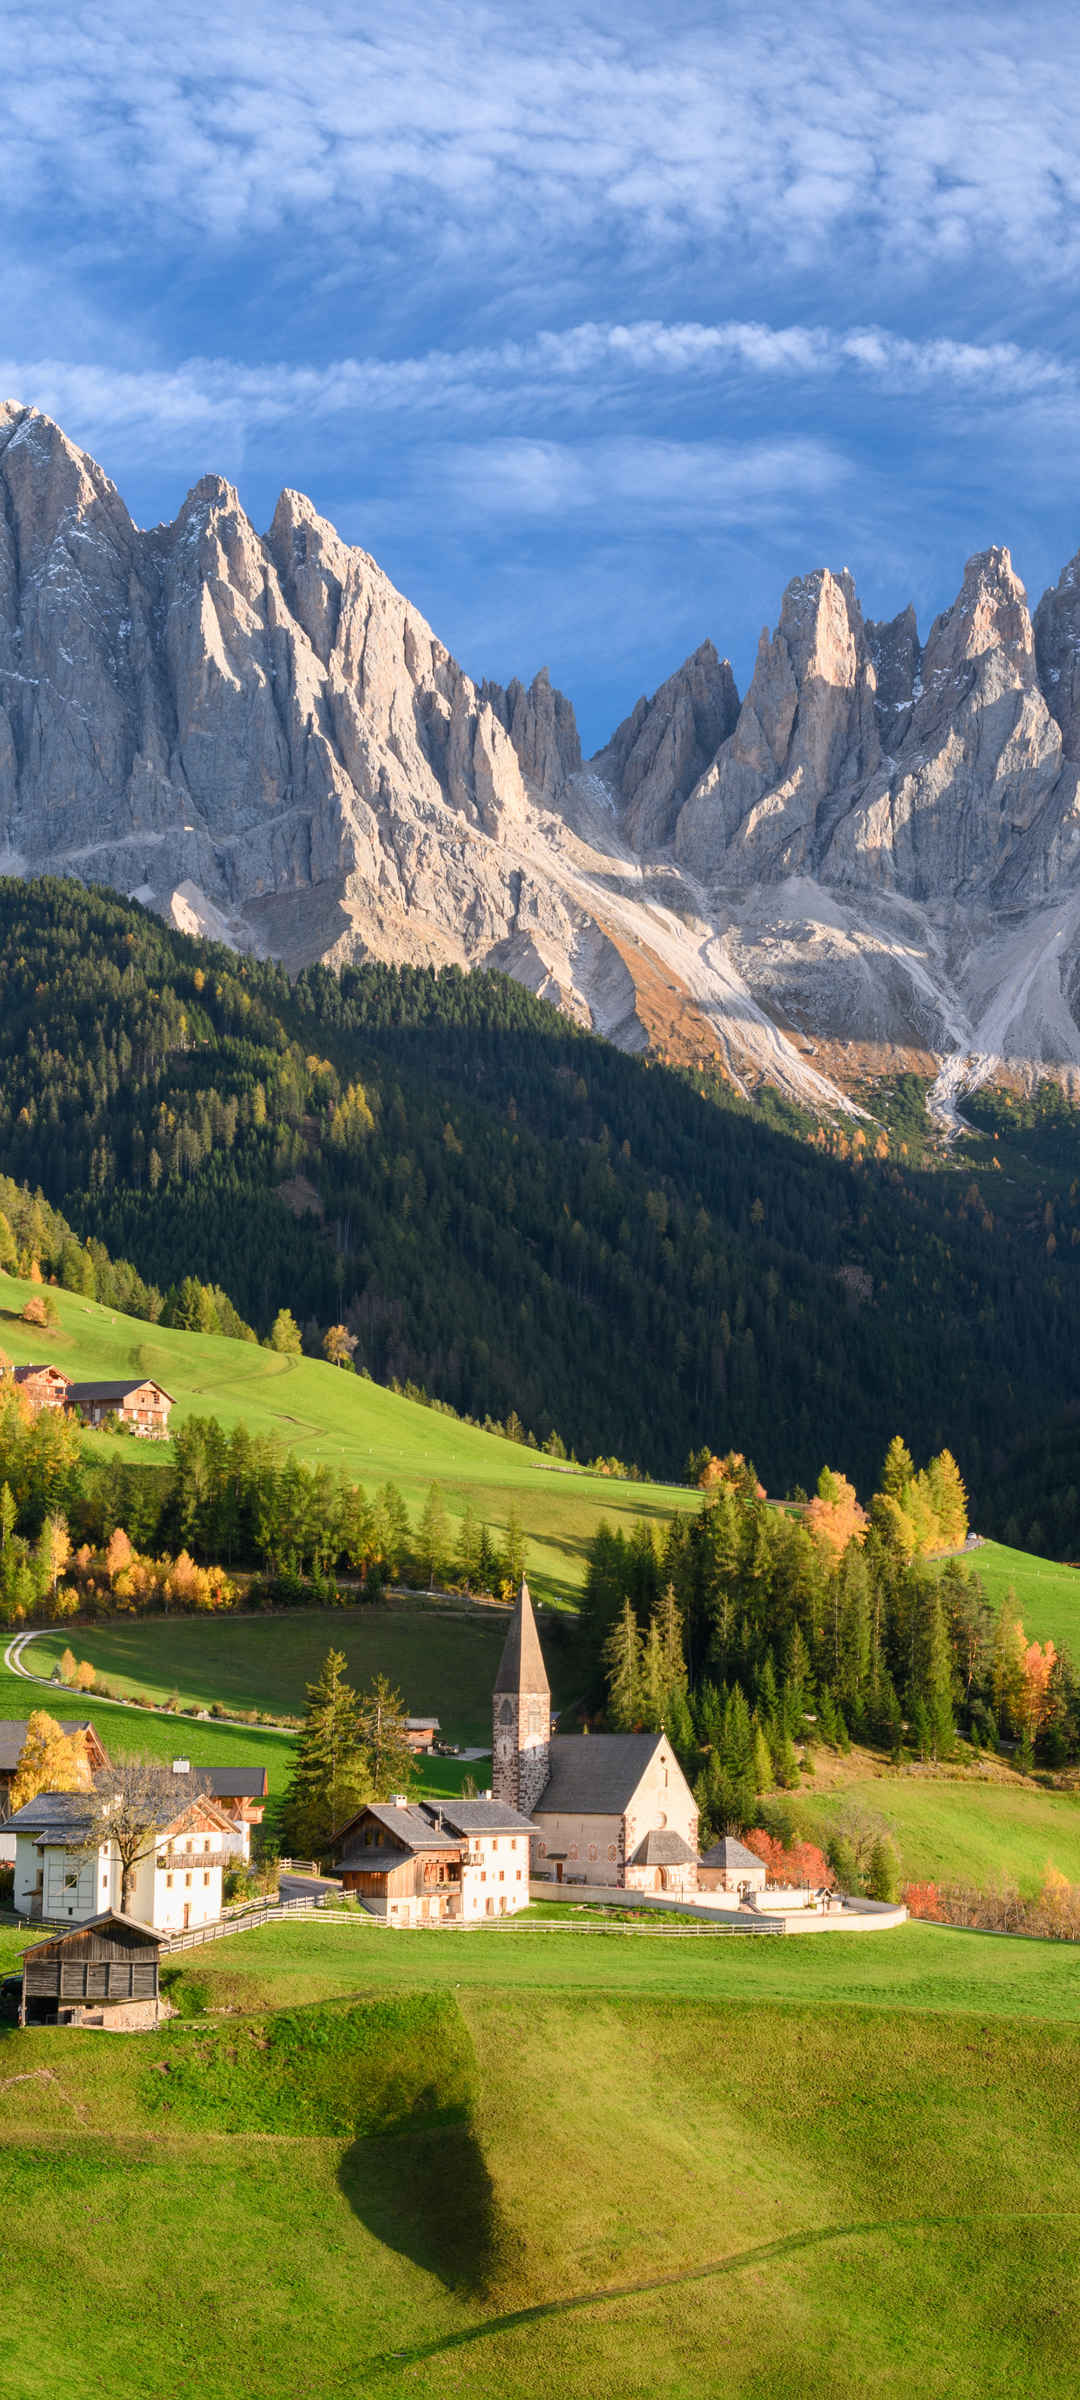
{"type": "Point", "coordinates": [1057, 654]}
{"type": "Point", "coordinates": [543, 729]}
{"type": "Point", "coordinates": [662, 749]}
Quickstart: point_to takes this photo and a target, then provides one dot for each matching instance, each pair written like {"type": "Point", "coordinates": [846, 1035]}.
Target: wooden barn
{"type": "Point", "coordinates": [91, 1974]}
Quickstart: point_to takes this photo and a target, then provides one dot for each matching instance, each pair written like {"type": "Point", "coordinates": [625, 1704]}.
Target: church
{"type": "Point", "coordinates": [609, 1808]}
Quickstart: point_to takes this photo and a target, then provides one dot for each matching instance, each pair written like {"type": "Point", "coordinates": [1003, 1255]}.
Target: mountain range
{"type": "Point", "coordinates": [868, 862]}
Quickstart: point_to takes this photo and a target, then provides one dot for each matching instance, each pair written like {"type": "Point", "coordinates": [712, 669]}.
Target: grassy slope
{"type": "Point", "coordinates": [1047, 1595]}
{"type": "Point", "coordinates": [884, 2195]}
{"type": "Point", "coordinates": [964, 1831]}
{"type": "Point", "coordinates": [326, 1415]}
{"type": "Point", "coordinates": [444, 1662]}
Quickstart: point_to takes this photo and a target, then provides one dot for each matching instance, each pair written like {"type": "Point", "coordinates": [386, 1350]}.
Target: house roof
{"type": "Point", "coordinates": [727, 1852]}
{"type": "Point", "coordinates": [114, 1391]}
{"type": "Point", "coordinates": [595, 1774]}
{"type": "Point", "coordinates": [228, 1783]}
{"type": "Point", "coordinates": [67, 1817]}
{"type": "Point", "coordinates": [55, 1815]}
{"type": "Point", "coordinates": [422, 1724]}
{"type": "Point", "coordinates": [478, 1816]}
{"type": "Point", "coordinates": [113, 1924]}
{"type": "Point", "coordinates": [663, 1848]}
{"type": "Point", "coordinates": [13, 1736]}
{"type": "Point", "coordinates": [43, 1366]}
{"type": "Point", "coordinates": [521, 1667]}
{"type": "Point", "coordinates": [406, 1827]}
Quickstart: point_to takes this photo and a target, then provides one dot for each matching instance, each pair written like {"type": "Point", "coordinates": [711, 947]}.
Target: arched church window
{"type": "Point", "coordinates": [506, 1712]}
{"type": "Point", "coordinates": [612, 1852]}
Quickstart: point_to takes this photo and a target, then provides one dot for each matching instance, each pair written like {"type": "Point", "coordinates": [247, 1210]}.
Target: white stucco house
{"type": "Point", "coordinates": [62, 1877]}
{"type": "Point", "coordinates": [437, 1862]}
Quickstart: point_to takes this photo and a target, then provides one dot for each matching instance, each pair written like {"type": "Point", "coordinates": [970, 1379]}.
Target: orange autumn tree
{"type": "Point", "coordinates": [834, 1515]}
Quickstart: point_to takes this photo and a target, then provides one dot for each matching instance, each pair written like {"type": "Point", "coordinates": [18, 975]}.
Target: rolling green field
{"type": "Point", "coordinates": [442, 1661]}
{"type": "Point", "coordinates": [525, 2162]}
{"type": "Point", "coordinates": [965, 1831]}
{"type": "Point", "coordinates": [336, 1418]}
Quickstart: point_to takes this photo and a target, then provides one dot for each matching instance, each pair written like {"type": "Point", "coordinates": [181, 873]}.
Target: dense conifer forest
{"type": "Point", "coordinates": [508, 1212]}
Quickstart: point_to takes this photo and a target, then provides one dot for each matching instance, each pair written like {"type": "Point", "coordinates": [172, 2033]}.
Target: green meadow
{"type": "Point", "coordinates": [340, 1419]}
{"type": "Point", "coordinates": [1047, 1595]}
{"type": "Point", "coordinates": [532, 2162]}
{"type": "Point", "coordinates": [442, 1660]}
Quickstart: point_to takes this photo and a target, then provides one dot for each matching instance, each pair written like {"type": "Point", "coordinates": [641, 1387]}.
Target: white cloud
{"type": "Point", "coordinates": [914, 137]}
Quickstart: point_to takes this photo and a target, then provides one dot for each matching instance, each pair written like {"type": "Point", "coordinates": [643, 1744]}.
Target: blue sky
{"type": "Point", "coordinates": [594, 326]}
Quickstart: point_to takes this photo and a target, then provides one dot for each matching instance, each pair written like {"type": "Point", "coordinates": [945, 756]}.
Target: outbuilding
{"type": "Point", "coordinates": [730, 1867]}
{"type": "Point", "coordinates": [88, 1975]}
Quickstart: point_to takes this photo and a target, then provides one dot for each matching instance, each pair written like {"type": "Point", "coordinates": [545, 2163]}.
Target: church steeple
{"type": "Point", "coordinates": [521, 1714]}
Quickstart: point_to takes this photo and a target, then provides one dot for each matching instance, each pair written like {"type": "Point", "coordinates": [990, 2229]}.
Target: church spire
{"type": "Point", "coordinates": [521, 1667]}
{"type": "Point", "coordinates": [521, 1714]}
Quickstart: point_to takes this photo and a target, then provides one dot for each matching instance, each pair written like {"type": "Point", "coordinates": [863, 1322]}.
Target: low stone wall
{"type": "Point", "coordinates": [848, 1916]}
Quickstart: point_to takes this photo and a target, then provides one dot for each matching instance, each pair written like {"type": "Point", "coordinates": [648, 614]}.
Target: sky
{"type": "Point", "coordinates": [595, 326]}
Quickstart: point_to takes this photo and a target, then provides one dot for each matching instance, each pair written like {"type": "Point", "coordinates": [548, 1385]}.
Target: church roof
{"type": "Point", "coordinates": [595, 1774]}
{"type": "Point", "coordinates": [521, 1667]}
{"type": "Point", "coordinates": [664, 1848]}
{"type": "Point", "coordinates": [478, 1816]}
{"type": "Point", "coordinates": [727, 1852]}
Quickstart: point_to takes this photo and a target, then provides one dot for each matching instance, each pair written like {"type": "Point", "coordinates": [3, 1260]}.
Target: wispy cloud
{"type": "Point", "coordinates": [588, 368]}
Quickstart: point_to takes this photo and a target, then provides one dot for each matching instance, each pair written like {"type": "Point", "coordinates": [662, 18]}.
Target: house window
{"type": "Point", "coordinates": [502, 1875]}
{"type": "Point", "coordinates": [187, 1883]}
{"type": "Point", "coordinates": [612, 1852]}
{"type": "Point", "coordinates": [573, 1850]}
{"type": "Point", "coordinates": [513, 1844]}
{"type": "Point", "coordinates": [206, 1879]}
{"type": "Point", "coordinates": [168, 1883]}
{"type": "Point", "coordinates": [593, 1851]}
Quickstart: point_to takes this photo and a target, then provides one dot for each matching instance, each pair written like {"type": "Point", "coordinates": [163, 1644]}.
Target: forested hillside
{"type": "Point", "coordinates": [508, 1211]}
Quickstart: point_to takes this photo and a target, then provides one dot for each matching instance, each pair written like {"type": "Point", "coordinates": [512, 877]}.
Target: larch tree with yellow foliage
{"type": "Point", "coordinates": [50, 1761]}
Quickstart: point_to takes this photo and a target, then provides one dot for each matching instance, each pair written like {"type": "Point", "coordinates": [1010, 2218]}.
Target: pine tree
{"type": "Point", "coordinates": [513, 1560]}
{"type": "Point", "coordinates": [331, 1777]}
{"type": "Point", "coordinates": [622, 1659]}
{"type": "Point", "coordinates": [433, 1535]}
{"type": "Point", "coordinates": [381, 1721]}
{"type": "Point", "coordinates": [934, 1670]}
{"type": "Point", "coordinates": [468, 1546]}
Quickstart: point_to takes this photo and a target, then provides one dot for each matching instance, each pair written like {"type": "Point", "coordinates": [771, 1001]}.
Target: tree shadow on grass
{"type": "Point", "coordinates": [423, 2188]}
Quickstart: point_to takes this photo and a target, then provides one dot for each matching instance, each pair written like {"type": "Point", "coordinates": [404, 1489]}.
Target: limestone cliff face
{"type": "Point", "coordinates": [806, 734]}
{"type": "Point", "coordinates": [259, 736]}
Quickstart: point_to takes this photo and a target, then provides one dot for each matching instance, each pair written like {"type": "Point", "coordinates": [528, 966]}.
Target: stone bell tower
{"type": "Point", "coordinates": [521, 1715]}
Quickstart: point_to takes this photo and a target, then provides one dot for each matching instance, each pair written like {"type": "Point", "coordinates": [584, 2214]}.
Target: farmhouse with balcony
{"type": "Point", "coordinates": [432, 1863]}
{"type": "Point", "coordinates": [43, 1386]}
{"type": "Point", "coordinates": [420, 1733]}
{"type": "Point", "coordinates": [62, 1872]}
{"type": "Point", "coordinates": [141, 1406]}
{"type": "Point", "coordinates": [612, 1809]}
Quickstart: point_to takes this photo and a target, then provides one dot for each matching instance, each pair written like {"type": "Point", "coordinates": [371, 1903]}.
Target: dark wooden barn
{"type": "Point", "coordinates": [110, 1962]}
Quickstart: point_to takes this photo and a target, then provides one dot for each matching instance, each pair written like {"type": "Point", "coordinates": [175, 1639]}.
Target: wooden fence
{"type": "Point", "coordinates": [245, 1920]}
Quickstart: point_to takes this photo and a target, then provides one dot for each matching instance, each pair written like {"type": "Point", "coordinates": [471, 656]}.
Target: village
{"type": "Point", "coordinates": [121, 1870]}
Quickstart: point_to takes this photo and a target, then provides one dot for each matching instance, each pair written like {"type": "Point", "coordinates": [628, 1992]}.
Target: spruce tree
{"type": "Point", "coordinates": [622, 1659]}
{"type": "Point", "coordinates": [331, 1777]}
{"type": "Point", "coordinates": [432, 1535]}
{"type": "Point", "coordinates": [381, 1724]}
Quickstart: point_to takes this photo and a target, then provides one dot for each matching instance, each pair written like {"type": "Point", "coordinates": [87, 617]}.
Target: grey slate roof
{"type": "Point", "coordinates": [422, 1724]}
{"type": "Point", "coordinates": [13, 1736]}
{"type": "Point", "coordinates": [407, 1830]}
{"type": "Point", "coordinates": [521, 1667]}
{"type": "Point", "coordinates": [57, 1816]}
{"type": "Point", "coordinates": [478, 1816]}
{"type": "Point", "coordinates": [663, 1848]}
{"type": "Point", "coordinates": [228, 1783]}
{"type": "Point", "coordinates": [595, 1774]}
{"type": "Point", "coordinates": [727, 1852]}
{"type": "Point", "coordinates": [78, 1392]}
